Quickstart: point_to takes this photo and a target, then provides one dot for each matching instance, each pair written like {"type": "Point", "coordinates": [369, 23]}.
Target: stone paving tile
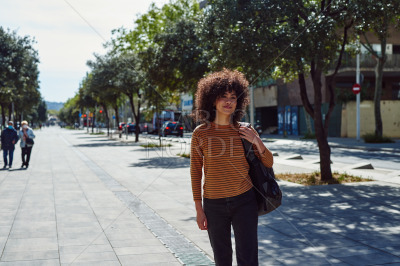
{"type": "Point", "coordinates": [54, 262]}
{"type": "Point", "coordinates": [150, 250]}
{"type": "Point", "coordinates": [4, 230]}
{"type": "Point", "coordinates": [94, 263]}
{"type": "Point", "coordinates": [31, 244]}
{"type": "Point", "coordinates": [309, 260]}
{"type": "Point", "coordinates": [134, 242]}
{"type": "Point", "coordinates": [145, 259]}
{"type": "Point", "coordinates": [91, 248]}
{"type": "Point", "coordinates": [371, 259]}
{"type": "Point", "coordinates": [88, 257]}
{"type": "Point", "coordinates": [22, 254]}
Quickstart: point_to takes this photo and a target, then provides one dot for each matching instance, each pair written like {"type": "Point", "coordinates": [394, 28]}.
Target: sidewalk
{"type": "Point", "coordinates": [348, 143]}
{"type": "Point", "coordinates": [88, 200]}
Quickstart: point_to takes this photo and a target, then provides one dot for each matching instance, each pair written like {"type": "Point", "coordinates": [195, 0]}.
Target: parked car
{"type": "Point", "coordinates": [172, 128]}
{"type": "Point", "coordinates": [132, 128]}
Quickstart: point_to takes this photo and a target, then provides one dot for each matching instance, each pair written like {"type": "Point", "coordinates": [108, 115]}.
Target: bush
{"type": "Point", "coordinates": [309, 135]}
{"type": "Point", "coordinates": [372, 138]}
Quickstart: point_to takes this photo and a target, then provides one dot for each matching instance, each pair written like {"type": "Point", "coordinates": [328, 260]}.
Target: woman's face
{"type": "Point", "coordinates": [226, 104]}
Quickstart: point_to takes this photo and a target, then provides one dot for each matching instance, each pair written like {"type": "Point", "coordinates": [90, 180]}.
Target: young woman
{"type": "Point", "coordinates": [228, 198]}
{"type": "Point", "coordinates": [26, 149]}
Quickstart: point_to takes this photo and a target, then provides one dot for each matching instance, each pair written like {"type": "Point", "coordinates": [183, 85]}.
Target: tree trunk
{"type": "Point", "coordinates": [135, 116]}
{"type": "Point", "coordinates": [320, 133]}
{"type": "Point", "coordinates": [377, 96]}
{"type": "Point", "coordinates": [107, 119]}
{"type": "Point", "coordinates": [3, 115]}
{"type": "Point", "coordinates": [304, 97]}
{"type": "Point", "coordinates": [116, 115]}
{"type": "Point", "coordinates": [10, 112]}
{"type": "Point", "coordinates": [308, 123]}
{"type": "Point", "coordinates": [137, 119]}
{"type": "Point", "coordinates": [93, 119]}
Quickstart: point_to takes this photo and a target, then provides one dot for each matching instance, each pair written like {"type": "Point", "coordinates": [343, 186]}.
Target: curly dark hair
{"type": "Point", "coordinates": [213, 86]}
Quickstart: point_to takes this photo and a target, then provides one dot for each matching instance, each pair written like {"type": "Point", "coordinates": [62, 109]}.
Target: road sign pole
{"type": "Point", "coordinates": [252, 105]}
{"type": "Point", "coordinates": [358, 95]}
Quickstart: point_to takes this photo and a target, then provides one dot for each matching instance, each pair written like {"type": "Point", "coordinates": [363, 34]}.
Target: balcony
{"type": "Point", "coordinates": [367, 63]}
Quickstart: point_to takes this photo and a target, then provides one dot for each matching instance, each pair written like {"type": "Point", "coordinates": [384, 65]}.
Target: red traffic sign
{"type": "Point", "coordinates": [356, 88]}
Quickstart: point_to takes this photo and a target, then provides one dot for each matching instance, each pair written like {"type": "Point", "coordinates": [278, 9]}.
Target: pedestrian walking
{"type": "Point", "coordinates": [27, 136]}
{"type": "Point", "coordinates": [9, 137]}
{"type": "Point", "coordinates": [228, 196]}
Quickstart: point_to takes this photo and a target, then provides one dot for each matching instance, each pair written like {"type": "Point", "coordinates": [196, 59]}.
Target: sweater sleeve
{"type": "Point", "coordinates": [266, 158]}
{"type": "Point", "coordinates": [196, 165]}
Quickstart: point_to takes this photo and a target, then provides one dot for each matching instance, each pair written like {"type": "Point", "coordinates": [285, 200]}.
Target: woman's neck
{"type": "Point", "coordinates": [222, 119]}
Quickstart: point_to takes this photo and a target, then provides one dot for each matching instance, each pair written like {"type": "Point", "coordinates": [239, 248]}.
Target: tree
{"type": "Point", "coordinates": [130, 81]}
{"type": "Point", "coordinates": [18, 74]}
{"type": "Point", "coordinates": [69, 114]}
{"type": "Point", "coordinates": [86, 100]}
{"type": "Point", "coordinates": [293, 39]}
{"type": "Point", "coordinates": [167, 47]}
{"type": "Point", "coordinates": [39, 113]}
{"type": "Point", "coordinates": [381, 18]}
{"type": "Point", "coordinates": [101, 85]}
{"type": "Point", "coordinates": [179, 60]}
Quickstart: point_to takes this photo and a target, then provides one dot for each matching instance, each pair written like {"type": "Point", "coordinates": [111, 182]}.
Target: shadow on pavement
{"type": "Point", "coordinates": [104, 144]}
{"type": "Point", "coordinates": [16, 169]}
{"type": "Point", "coordinates": [345, 222]}
{"type": "Point", "coordinates": [162, 162]}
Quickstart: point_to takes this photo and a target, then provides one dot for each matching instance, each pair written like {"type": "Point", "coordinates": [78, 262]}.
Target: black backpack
{"type": "Point", "coordinates": [268, 193]}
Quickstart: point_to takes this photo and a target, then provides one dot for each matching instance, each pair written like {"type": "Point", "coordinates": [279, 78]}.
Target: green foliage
{"type": "Point", "coordinates": [309, 135]}
{"type": "Point", "coordinates": [148, 25]}
{"type": "Point", "coordinates": [152, 145]}
{"type": "Point", "coordinates": [344, 95]}
{"type": "Point", "coordinates": [52, 112]}
{"type": "Point", "coordinates": [18, 74]}
{"type": "Point", "coordinates": [167, 44]}
{"type": "Point", "coordinates": [373, 138]}
{"type": "Point", "coordinates": [70, 112]}
{"type": "Point", "coordinates": [314, 179]}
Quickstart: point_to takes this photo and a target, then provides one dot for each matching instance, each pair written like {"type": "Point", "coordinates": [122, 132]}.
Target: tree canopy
{"type": "Point", "coordinates": [19, 84]}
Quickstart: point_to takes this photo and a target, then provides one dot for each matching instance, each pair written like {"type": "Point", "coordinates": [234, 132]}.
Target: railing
{"type": "Point", "coordinates": [369, 61]}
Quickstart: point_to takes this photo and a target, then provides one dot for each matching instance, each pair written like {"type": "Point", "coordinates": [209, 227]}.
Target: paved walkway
{"type": "Point", "coordinates": [87, 200]}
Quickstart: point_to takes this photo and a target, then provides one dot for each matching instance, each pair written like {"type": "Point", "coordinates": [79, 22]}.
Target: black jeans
{"type": "Point", "coordinates": [240, 212]}
{"type": "Point", "coordinates": [26, 151]}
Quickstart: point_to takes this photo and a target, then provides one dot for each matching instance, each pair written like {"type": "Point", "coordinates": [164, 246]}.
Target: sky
{"type": "Point", "coordinates": [67, 33]}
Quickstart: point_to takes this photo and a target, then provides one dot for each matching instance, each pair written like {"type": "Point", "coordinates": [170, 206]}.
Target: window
{"type": "Point", "coordinates": [396, 49]}
{"type": "Point", "coordinates": [396, 91]}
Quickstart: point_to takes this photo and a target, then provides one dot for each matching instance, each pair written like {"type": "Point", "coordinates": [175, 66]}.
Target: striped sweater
{"type": "Point", "coordinates": [219, 150]}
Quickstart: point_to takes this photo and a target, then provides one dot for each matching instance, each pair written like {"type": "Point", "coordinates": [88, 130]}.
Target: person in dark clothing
{"type": "Point", "coordinates": [9, 137]}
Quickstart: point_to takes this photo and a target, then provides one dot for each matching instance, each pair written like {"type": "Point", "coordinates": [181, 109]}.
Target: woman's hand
{"type": "Point", "coordinates": [251, 136]}
{"type": "Point", "coordinates": [201, 216]}
{"type": "Point", "coordinates": [201, 220]}
{"type": "Point", "coordinates": [248, 134]}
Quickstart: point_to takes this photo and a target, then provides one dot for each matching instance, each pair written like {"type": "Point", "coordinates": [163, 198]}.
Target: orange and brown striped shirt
{"type": "Point", "coordinates": [219, 150]}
